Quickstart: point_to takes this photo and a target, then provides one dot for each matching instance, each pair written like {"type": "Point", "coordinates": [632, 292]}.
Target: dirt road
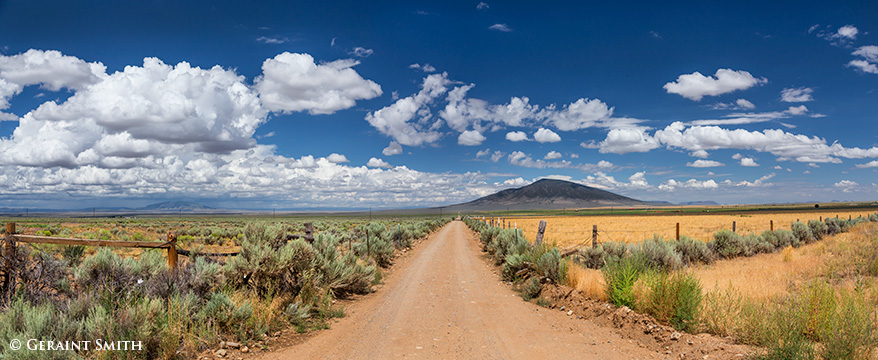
{"type": "Point", "coordinates": [444, 301]}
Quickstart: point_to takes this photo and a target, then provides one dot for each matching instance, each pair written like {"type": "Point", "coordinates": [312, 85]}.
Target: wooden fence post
{"type": "Point", "coordinates": [309, 232]}
{"type": "Point", "coordinates": [6, 249]}
{"type": "Point", "coordinates": [594, 236]}
{"type": "Point", "coordinates": [771, 224]}
{"type": "Point", "coordinates": [540, 230]}
{"type": "Point", "coordinates": [172, 251]}
{"type": "Point", "coordinates": [678, 231]}
{"type": "Point", "coordinates": [368, 251]}
{"type": "Point", "coordinates": [733, 226]}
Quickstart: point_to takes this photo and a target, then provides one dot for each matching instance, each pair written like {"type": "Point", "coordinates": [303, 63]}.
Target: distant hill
{"type": "Point", "coordinates": [699, 203]}
{"type": "Point", "coordinates": [547, 194]}
{"type": "Point", "coordinates": [176, 206]}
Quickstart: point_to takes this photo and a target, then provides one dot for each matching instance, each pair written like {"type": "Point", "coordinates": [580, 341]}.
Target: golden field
{"type": "Point", "coordinates": [775, 274]}
{"type": "Point", "coordinates": [569, 231]}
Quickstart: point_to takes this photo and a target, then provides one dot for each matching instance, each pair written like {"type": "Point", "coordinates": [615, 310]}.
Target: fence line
{"type": "Point", "coordinates": [497, 221]}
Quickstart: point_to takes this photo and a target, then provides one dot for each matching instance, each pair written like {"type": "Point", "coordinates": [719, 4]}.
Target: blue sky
{"type": "Point", "coordinates": [407, 104]}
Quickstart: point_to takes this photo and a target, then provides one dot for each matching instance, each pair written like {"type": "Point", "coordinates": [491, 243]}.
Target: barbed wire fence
{"type": "Point", "coordinates": [595, 236]}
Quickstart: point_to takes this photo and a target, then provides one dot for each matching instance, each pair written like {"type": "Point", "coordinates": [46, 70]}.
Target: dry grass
{"type": "Point", "coordinates": [567, 231]}
{"type": "Point", "coordinates": [589, 281]}
{"type": "Point", "coordinates": [762, 276]}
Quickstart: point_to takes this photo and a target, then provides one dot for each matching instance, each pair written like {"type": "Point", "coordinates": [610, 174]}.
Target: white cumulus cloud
{"type": "Point", "coordinates": [695, 86]}
{"type": "Point", "coordinates": [337, 158]}
{"type": "Point", "coordinates": [704, 164]}
{"type": "Point", "coordinates": [553, 155]}
{"type": "Point", "coordinates": [749, 162]}
{"type": "Point", "coordinates": [377, 163]}
{"type": "Point", "coordinates": [544, 135]}
{"type": "Point", "coordinates": [393, 149]}
{"type": "Point", "coordinates": [293, 82]}
{"type": "Point", "coordinates": [409, 120]}
{"type": "Point", "coordinates": [516, 136]}
{"type": "Point", "coordinates": [871, 164]}
{"type": "Point", "coordinates": [470, 138]}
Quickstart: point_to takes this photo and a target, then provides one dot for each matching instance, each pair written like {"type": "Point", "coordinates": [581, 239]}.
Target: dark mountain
{"type": "Point", "coordinates": [176, 206]}
{"type": "Point", "coordinates": [548, 194]}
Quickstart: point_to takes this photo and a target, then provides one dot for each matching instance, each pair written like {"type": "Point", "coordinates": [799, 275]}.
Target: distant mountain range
{"type": "Point", "coordinates": [176, 206]}
{"type": "Point", "coordinates": [548, 194]}
{"type": "Point", "coordinates": [545, 194]}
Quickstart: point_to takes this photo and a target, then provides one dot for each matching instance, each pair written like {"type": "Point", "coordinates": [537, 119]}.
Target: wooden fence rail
{"type": "Point", "coordinates": [170, 244]}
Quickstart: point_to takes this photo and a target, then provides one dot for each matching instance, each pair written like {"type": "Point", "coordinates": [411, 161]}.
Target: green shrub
{"type": "Point", "coordinates": [376, 247]}
{"type": "Point", "coordinates": [543, 261]}
{"type": "Point", "coordinates": [531, 288]}
{"type": "Point", "coordinates": [659, 254]}
{"type": "Point", "coordinates": [613, 251]}
{"type": "Point", "coordinates": [850, 332]}
{"type": "Point", "coordinates": [835, 226]}
{"type": "Point", "coordinates": [802, 232]}
{"type": "Point", "coordinates": [593, 257]}
{"type": "Point", "coordinates": [505, 242]}
{"type": "Point", "coordinates": [673, 299]}
{"type": "Point", "coordinates": [106, 273]}
{"type": "Point", "coordinates": [620, 276]}
{"type": "Point", "coordinates": [401, 237]}
{"type": "Point", "coordinates": [785, 238]}
{"type": "Point", "coordinates": [342, 274]}
{"type": "Point", "coordinates": [818, 229]}
{"type": "Point", "coordinates": [727, 244]}
{"type": "Point", "coordinates": [264, 268]}
{"type": "Point", "coordinates": [693, 251]}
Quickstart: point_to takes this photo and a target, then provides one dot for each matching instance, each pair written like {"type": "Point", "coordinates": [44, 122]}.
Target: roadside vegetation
{"type": "Point", "coordinates": [62, 293]}
{"type": "Point", "coordinates": [830, 314]}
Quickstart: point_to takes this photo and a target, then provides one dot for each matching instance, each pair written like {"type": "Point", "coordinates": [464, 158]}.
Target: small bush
{"type": "Point", "coordinates": [693, 251]}
{"type": "Point", "coordinates": [620, 276]}
{"type": "Point", "coordinates": [802, 232]}
{"type": "Point", "coordinates": [531, 288]}
{"type": "Point", "coordinates": [543, 261]}
{"type": "Point", "coordinates": [765, 243]}
{"type": "Point", "coordinates": [660, 254]}
{"type": "Point", "coordinates": [727, 244]}
{"type": "Point", "coordinates": [613, 251]}
{"type": "Point", "coordinates": [376, 247]}
{"type": "Point", "coordinates": [673, 299]}
{"type": "Point", "coordinates": [785, 238]}
{"type": "Point", "coordinates": [343, 274]}
{"type": "Point", "coordinates": [818, 229]}
{"type": "Point", "coordinates": [593, 257]}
